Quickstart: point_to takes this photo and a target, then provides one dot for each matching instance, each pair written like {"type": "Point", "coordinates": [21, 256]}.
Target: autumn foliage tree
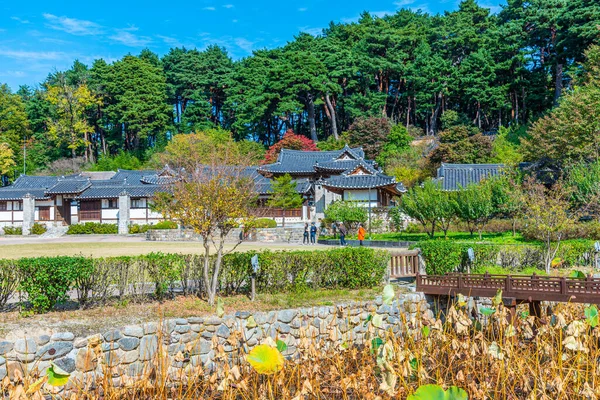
{"type": "Point", "coordinates": [212, 198]}
{"type": "Point", "coordinates": [290, 141]}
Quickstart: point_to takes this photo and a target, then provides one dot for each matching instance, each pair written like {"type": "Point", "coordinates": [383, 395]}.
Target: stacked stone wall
{"type": "Point", "coordinates": [184, 345]}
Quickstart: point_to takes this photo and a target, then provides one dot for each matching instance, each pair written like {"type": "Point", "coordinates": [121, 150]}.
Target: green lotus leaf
{"type": "Point", "coordinates": [591, 315]}
{"type": "Point", "coordinates": [57, 376]}
{"type": "Point", "coordinates": [388, 295]}
{"type": "Point", "coordinates": [436, 392]}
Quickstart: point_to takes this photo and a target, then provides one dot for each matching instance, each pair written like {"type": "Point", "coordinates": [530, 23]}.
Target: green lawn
{"type": "Point", "coordinates": [498, 238]}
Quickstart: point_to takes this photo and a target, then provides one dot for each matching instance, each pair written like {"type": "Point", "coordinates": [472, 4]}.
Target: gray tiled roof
{"type": "Point", "coordinates": [265, 186]}
{"type": "Point", "coordinates": [457, 176]}
{"type": "Point", "coordinates": [158, 180]}
{"type": "Point", "coordinates": [113, 192]}
{"type": "Point", "coordinates": [359, 181]}
{"type": "Point", "coordinates": [9, 193]}
{"type": "Point", "coordinates": [69, 186]}
{"type": "Point", "coordinates": [303, 162]}
{"type": "Point", "coordinates": [34, 182]}
{"type": "Point", "coordinates": [132, 175]}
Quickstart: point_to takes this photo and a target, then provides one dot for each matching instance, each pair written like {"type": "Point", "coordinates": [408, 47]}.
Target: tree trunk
{"type": "Point", "coordinates": [207, 286]}
{"type": "Point", "coordinates": [216, 270]}
{"type": "Point", "coordinates": [310, 106]}
{"type": "Point", "coordinates": [436, 113]}
{"type": "Point", "coordinates": [333, 119]}
{"type": "Point", "coordinates": [558, 83]}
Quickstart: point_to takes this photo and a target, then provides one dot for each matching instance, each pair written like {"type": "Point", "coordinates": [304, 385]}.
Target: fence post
{"type": "Point", "coordinates": [507, 285]}
{"type": "Point", "coordinates": [563, 285]}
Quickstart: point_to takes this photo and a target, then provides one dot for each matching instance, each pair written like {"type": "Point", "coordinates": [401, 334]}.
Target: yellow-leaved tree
{"type": "Point", "coordinates": [7, 158]}
{"type": "Point", "coordinates": [212, 197]}
{"type": "Point", "coordinates": [68, 123]}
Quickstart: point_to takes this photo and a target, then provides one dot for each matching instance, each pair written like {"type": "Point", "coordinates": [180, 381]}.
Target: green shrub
{"type": "Point", "coordinates": [144, 228]}
{"type": "Point", "coordinates": [263, 223]}
{"type": "Point", "coordinates": [164, 225]}
{"type": "Point", "coordinates": [442, 256]}
{"type": "Point", "coordinates": [93, 228]}
{"type": "Point", "coordinates": [163, 269]}
{"type": "Point", "coordinates": [38, 229]}
{"type": "Point", "coordinates": [46, 280]}
{"type": "Point", "coordinates": [13, 230]}
{"type": "Point", "coordinates": [133, 229]}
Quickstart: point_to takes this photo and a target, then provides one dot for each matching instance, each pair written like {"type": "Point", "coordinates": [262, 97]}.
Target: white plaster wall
{"type": "Point", "coordinates": [110, 213]}
{"type": "Point", "coordinates": [5, 216]}
{"type": "Point", "coordinates": [136, 213]}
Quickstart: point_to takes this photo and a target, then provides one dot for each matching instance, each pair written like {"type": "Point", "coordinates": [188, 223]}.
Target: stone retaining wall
{"type": "Point", "coordinates": [186, 344]}
{"type": "Point", "coordinates": [264, 235]}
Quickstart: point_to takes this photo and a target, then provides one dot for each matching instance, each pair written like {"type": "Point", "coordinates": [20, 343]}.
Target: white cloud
{"type": "Point", "coordinates": [228, 5]}
{"type": "Point", "coordinates": [302, 9]}
{"type": "Point", "coordinates": [32, 55]}
{"type": "Point", "coordinates": [73, 26]}
{"type": "Point", "coordinates": [311, 31]}
{"type": "Point", "coordinates": [171, 41]}
{"type": "Point", "coordinates": [125, 37]}
{"type": "Point", "coordinates": [23, 21]}
{"type": "Point", "coordinates": [13, 74]}
{"type": "Point", "coordinates": [244, 44]}
{"type": "Point", "coordinates": [209, 8]}
{"type": "Point", "coordinates": [53, 40]}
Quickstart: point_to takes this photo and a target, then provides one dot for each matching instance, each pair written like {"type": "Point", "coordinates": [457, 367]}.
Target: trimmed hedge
{"type": "Point", "coordinates": [263, 223]}
{"type": "Point", "coordinates": [444, 256]}
{"type": "Point", "coordinates": [93, 228]}
{"type": "Point", "coordinates": [47, 280]}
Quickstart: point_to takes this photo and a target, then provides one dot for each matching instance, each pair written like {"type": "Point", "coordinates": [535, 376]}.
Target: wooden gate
{"type": "Point", "coordinates": [404, 264]}
{"type": "Point", "coordinates": [90, 210]}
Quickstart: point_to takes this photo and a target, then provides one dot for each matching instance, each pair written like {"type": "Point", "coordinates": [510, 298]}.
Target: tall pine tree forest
{"type": "Point", "coordinates": [494, 71]}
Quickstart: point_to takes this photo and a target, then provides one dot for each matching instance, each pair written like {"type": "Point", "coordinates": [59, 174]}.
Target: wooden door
{"type": "Point", "coordinates": [44, 213]}
{"type": "Point", "coordinates": [90, 210]}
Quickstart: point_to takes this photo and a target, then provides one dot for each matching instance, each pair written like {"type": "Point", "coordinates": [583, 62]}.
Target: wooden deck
{"type": "Point", "coordinates": [521, 288]}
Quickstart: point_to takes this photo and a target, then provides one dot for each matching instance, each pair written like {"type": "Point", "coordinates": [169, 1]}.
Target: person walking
{"type": "Point", "coordinates": [361, 234]}
{"type": "Point", "coordinates": [313, 234]}
{"type": "Point", "coordinates": [334, 229]}
{"type": "Point", "coordinates": [305, 237]}
{"type": "Point", "coordinates": [342, 230]}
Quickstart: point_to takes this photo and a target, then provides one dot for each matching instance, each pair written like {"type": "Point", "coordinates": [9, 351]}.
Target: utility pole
{"type": "Point", "coordinates": [24, 154]}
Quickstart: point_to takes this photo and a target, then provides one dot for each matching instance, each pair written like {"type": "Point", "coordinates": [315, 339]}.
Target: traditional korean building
{"type": "Point", "coordinates": [454, 177]}
{"type": "Point", "coordinates": [336, 175]}
{"type": "Point", "coordinates": [321, 177]}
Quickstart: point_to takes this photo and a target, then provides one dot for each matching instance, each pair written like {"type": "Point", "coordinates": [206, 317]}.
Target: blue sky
{"type": "Point", "coordinates": [37, 37]}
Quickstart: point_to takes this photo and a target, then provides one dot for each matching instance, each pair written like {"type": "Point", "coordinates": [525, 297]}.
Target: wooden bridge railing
{"type": "Point", "coordinates": [404, 264]}
{"type": "Point", "coordinates": [519, 287]}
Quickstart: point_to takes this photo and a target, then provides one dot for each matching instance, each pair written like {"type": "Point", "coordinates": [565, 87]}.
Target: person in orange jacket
{"type": "Point", "coordinates": [361, 234]}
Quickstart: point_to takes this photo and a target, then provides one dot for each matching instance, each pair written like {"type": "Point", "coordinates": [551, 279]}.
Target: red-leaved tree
{"type": "Point", "coordinates": [290, 141]}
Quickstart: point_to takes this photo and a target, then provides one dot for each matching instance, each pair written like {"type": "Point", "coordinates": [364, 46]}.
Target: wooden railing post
{"type": "Point", "coordinates": [563, 285]}
{"type": "Point", "coordinates": [507, 285]}
{"type": "Point", "coordinates": [460, 281]}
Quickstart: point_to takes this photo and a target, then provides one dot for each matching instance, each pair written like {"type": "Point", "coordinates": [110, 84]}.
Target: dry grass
{"type": "Point", "coordinates": [126, 248]}
{"type": "Point", "coordinates": [557, 359]}
{"type": "Point", "coordinates": [83, 322]}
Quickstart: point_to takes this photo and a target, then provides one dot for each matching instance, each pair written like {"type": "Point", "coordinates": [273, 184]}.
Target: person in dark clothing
{"type": "Point", "coordinates": [305, 237]}
{"type": "Point", "coordinates": [342, 230]}
{"type": "Point", "coordinates": [334, 229]}
{"type": "Point", "coordinates": [313, 233]}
